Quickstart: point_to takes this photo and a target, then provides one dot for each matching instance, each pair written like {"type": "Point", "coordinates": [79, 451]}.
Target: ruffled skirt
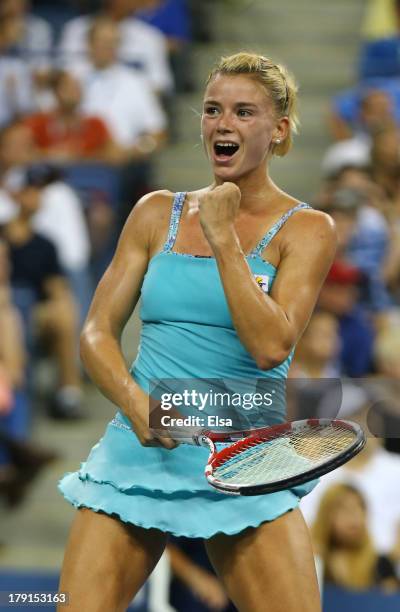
{"type": "Point", "coordinates": [165, 490]}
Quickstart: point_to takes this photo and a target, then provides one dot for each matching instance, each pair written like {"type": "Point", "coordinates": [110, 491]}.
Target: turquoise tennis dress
{"type": "Point", "coordinates": [187, 334]}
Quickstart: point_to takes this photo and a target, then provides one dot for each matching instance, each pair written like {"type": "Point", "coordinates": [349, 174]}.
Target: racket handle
{"type": "Point", "coordinates": [189, 435]}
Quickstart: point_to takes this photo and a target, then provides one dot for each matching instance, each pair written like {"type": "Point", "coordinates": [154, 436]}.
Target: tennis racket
{"type": "Point", "coordinates": [270, 459]}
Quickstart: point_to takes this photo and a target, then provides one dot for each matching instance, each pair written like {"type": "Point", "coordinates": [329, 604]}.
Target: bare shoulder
{"type": "Point", "coordinates": [308, 222]}
{"type": "Point", "coordinates": [307, 248]}
{"type": "Point", "coordinates": [312, 217]}
{"type": "Point", "coordinates": [314, 226]}
{"type": "Point", "coordinates": [150, 214]}
{"type": "Point", "coordinates": [152, 205]}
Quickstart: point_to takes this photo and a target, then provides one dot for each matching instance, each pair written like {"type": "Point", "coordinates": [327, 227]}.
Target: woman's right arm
{"type": "Point", "coordinates": [113, 303]}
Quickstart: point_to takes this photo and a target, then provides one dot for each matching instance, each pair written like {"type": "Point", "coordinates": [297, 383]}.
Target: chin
{"type": "Point", "coordinates": [236, 172]}
{"type": "Point", "coordinates": [227, 174]}
{"type": "Point", "coordinates": [224, 177]}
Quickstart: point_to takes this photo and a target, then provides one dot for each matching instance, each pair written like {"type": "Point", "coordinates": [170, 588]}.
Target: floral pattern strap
{"type": "Point", "coordinates": [264, 242]}
{"type": "Point", "coordinates": [176, 212]}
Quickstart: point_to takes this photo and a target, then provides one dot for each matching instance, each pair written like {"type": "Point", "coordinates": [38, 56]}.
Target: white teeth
{"type": "Point", "coordinates": [227, 144]}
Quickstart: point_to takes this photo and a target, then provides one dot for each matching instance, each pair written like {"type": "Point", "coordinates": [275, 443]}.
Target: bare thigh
{"type": "Point", "coordinates": [269, 568]}
{"type": "Point", "coordinates": [106, 562]}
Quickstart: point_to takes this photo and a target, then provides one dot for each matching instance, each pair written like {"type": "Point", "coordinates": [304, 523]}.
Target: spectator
{"type": "Point", "coordinates": [342, 541]}
{"type": "Point", "coordinates": [315, 389]}
{"type": "Point", "coordinates": [386, 386]}
{"type": "Point", "coordinates": [372, 472]}
{"type": "Point", "coordinates": [25, 462]}
{"type": "Point", "coordinates": [360, 112]}
{"type": "Point", "coordinates": [12, 353]}
{"type": "Point", "coordinates": [340, 296]}
{"type": "Point", "coordinates": [317, 352]}
{"type": "Point", "coordinates": [359, 179]}
{"type": "Point", "coordinates": [58, 218]}
{"type": "Point", "coordinates": [64, 134]}
{"type": "Point", "coordinates": [194, 585]}
{"type": "Point", "coordinates": [35, 38]}
{"type": "Point", "coordinates": [32, 44]}
{"type": "Point", "coordinates": [381, 186]}
{"type": "Point", "coordinates": [385, 161]}
{"type": "Point", "coordinates": [119, 96]}
{"type": "Point", "coordinates": [132, 112]}
{"type": "Point", "coordinates": [363, 241]}
{"type": "Point", "coordinates": [356, 118]}
{"type": "Point", "coordinates": [36, 268]}
{"type": "Point", "coordinates": [20, 460]}
{"type": "Point", "coordinates": [15, 76]}
{"type": "Point", "coordinates": [391, 270]}
{"type": "Point", "coordinates": [60, 215]}
{"type": "Point", "coordinates": [142, 46]}
{"type": "Point", "coordinates": [352, 152]}
{"type": "Point", "coordinates": [387, 351]}
{"type": "Point", "coordinates": [16, 150]}
{"type": "Point", "coordinates": [172, 18]}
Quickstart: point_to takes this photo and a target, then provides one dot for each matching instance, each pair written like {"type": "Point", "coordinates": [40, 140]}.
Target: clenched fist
{"type": "Point", "coordinates": [217, 209]}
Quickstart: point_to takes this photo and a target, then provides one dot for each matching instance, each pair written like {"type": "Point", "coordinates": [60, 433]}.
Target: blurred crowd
{"type": "Point", "coordinates": [87, 92]}
{"type": "Point", "coordinates": [87, 96]}
{"type": "Point", "coordinates": [353, 337]}
{"type": "Point", "coordinates": [355, 331]}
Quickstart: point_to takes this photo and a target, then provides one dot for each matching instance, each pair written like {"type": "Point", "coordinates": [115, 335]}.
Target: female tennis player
{"type": "Point", "coordinates": [228, 276]}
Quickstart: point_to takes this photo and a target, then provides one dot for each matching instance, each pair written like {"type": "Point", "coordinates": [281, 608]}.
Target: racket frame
{"type": "Point", "coordinates": [242, 439]}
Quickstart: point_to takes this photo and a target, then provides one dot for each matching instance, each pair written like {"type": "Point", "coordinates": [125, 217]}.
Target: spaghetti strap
{"type": "Point", "coordinates": [264, 242]}
{"type": "Point", "coordinates": [176, 212]}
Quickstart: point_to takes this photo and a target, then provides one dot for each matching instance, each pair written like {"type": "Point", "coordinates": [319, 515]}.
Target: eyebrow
{"type": "Point", "coordinates": [237, 103]}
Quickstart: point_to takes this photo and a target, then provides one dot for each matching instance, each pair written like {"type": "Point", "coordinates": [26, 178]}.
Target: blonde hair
{"type": "Point", "coordinates": [276, 80]}
{"type": "Point", "coordinates": [362, 559]}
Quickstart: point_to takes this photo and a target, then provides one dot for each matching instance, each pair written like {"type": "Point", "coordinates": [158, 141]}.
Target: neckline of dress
{"type": "Point", "coordinates": [208, 257]}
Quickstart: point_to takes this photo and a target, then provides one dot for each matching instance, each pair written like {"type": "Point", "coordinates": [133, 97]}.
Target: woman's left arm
{"type": "Point", "coordinates": [269, 325]}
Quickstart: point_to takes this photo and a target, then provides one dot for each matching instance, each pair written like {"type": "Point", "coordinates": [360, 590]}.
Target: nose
{"type": "Point", "coordinates": [224, 124]}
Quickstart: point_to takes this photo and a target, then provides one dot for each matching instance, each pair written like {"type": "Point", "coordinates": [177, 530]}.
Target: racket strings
{"type": "Point", "coordinates": [295, 452]}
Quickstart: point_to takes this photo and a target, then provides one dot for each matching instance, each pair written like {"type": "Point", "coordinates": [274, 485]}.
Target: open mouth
{"type": "Point", "coordinates": [225, 149]}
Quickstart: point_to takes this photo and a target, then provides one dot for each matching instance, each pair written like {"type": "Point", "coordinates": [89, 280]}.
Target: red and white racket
{"type": "Point", "coordinates": [280, 457]}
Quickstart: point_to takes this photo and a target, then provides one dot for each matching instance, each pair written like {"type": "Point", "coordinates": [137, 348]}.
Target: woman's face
{"type": "Point", "coordinates": [238, 124]}
{"type": "Point", "coordinates": [349, 521]}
